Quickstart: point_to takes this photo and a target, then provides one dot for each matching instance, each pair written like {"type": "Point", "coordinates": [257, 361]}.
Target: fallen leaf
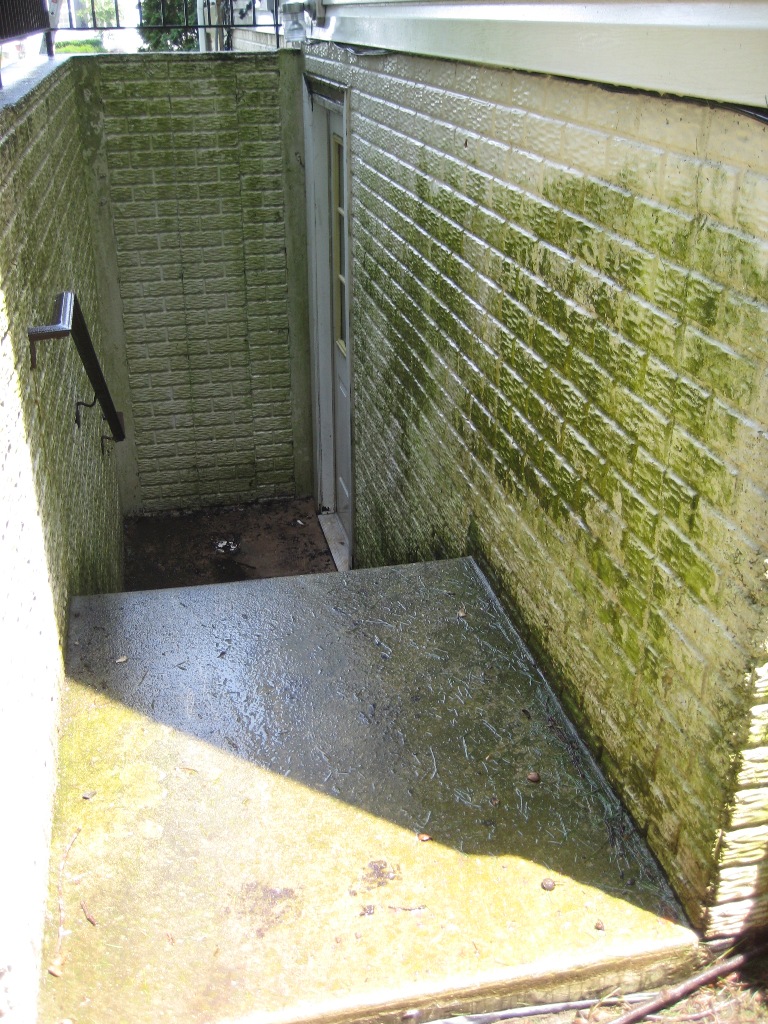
{"type": "Point", "coordinates": [55, 969]}
{"type": "Point", "coordinates": [121, 660]}
{"type": "Point", "coordinates": [461, 613]}
{"type": "Point", "coordinates": [423, 837]}
{"type": "Point", "coordinates": [89, 794]}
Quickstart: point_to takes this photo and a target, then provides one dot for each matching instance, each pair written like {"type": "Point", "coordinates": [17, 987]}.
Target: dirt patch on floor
{"type": "Point", "coordinates": [222, 545]}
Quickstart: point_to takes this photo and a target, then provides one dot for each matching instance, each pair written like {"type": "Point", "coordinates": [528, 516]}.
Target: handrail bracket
{"type": "Point", "coordinates": [68, 320]}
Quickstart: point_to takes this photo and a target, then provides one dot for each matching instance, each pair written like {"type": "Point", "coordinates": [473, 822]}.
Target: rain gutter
{"type": "Point", "coordinates": [716, 51]}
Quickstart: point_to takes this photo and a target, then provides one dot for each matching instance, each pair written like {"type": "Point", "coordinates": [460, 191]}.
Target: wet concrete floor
{"type": "Point", "coordinates": [344, 797]}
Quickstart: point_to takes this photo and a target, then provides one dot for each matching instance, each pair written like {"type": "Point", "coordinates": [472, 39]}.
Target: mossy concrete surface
{"type": "Point", "coordinates": [249, 777]}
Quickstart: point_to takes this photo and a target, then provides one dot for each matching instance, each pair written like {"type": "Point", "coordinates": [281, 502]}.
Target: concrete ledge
{"type": "Point", "coordinates": [20, 80]}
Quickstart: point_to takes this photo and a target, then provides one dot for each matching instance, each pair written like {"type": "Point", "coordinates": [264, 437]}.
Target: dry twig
{"type": "Point", "coordinates": [673, 995]}
{"type": "Point", "coordinates": [88, 915]}
{"type": "Point", "coordinates": [55, 967]}
{"type": "Point", "coordinates": [685, 1017]}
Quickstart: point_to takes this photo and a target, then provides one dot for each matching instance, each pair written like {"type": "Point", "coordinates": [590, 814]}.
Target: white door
{"type": "Point", "coordinates": [342, 405]}
{"type": "Point", "coordinates": [328, 209]}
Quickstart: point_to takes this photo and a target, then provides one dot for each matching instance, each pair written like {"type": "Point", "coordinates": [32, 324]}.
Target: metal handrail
{"type": "Point", "coordinates": [69, 320]}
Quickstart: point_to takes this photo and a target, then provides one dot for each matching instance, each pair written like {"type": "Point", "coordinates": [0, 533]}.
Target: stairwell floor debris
{"type": "Point", "coordinates": [259, 540]}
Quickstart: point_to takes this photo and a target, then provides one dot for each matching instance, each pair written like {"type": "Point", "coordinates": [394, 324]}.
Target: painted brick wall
{"type": "Point", "coordinates": [60, 526]}
{"type": "Point", "coordinates": [193, 149]}
{"type": "Point", "coordinates": [559, 326]}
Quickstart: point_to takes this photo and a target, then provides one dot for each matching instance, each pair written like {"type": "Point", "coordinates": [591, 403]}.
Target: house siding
{"type": "Point", "coordinates": [193, 151]}
{"type": "Point", "coordinates": [60, 524]}
{"type": "Point", "coordinates": [559, 322]}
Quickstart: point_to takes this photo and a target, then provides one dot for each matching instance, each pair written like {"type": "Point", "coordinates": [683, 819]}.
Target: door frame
{"type": "Point", "coordinates": [320, 97]}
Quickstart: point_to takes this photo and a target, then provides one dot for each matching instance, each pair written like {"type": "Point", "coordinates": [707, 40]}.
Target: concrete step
{"type": "Point", "coordinates": [343, 797]}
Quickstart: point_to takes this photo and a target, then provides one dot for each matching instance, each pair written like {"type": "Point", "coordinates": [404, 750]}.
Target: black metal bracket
{"type": "Point", "coordinates": [83, 405]}
{"type": "Point", "coordinates": [106, 439]}
{"type": "Point", "coordinates": [68, 320]}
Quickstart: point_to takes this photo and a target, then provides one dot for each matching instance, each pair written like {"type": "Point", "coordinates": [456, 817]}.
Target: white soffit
{"type": "Point", "coordinates": [716, 51]}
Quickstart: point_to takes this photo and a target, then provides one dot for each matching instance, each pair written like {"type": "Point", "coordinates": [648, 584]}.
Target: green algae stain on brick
{"type": "Point", "coordinates": [719, 368]}
{"type": "Point", "coordinates": [589, 426]}
{"type": "Point", "coordinates": [74, 473]}
{"type": "Point", "coordinates": [564, 189]}
{"type": "Point", "coordinates": [237, 361]}
{"type": "Point", "coordinates": [729, 257]}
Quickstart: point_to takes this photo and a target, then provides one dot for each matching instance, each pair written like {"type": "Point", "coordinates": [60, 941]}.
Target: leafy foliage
{"type": "Point", "coordinates": [104, 10]}
{"type": "Point", "coordinates": [165, 38]}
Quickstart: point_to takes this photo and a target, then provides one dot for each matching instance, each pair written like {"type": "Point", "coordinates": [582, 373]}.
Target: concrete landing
{"type": "Point", "coordinates": [249, 776]}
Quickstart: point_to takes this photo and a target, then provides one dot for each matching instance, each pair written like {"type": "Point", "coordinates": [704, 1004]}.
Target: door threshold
{"type": "Point", "coordinates": [336, 539]}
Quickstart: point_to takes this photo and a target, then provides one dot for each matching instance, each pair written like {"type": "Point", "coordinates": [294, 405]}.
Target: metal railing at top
{"type": "Point", "coordinates": [163, 24]}
{"type": "Point", "coordinates": [22, 17]}
{"type": "Point", "coordinates": [164, 16]}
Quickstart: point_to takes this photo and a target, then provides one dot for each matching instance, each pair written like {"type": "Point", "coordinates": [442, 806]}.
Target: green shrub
{"type": "Point", "coordinates": [81, 46]}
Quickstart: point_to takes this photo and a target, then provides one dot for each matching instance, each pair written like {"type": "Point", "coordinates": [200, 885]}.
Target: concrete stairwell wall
{"type": "Point", "coordinates": [60, 523]}
{"type": "Point", "coordinates": [193, 155]}
{"type": "Point", "coordinates": [559, 347]}
{"type": "Point", "coordinates": [154, 187]}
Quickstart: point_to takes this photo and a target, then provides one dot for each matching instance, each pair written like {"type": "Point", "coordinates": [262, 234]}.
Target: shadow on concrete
{"type": "Point", "coordinates": [403, 691]}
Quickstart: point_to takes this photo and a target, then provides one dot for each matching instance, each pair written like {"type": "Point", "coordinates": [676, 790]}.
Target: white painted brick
{"type": "Point", "coordinates": [752, 204]}
{"type": "Point", "coordinates": [718, 191]}
{"type": "Point", "coordinates": [633, 183]}
{"type": "Point", "coordinates": [734, 139]}
{"type": "Point", "coordinates": [544, 136]}
{"type": "Point", "coordinates": [185, 216]}
{"type": "Point", "coordinates": [639, 167]}
{"type": "Point", "coordinates": [586, 150]}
